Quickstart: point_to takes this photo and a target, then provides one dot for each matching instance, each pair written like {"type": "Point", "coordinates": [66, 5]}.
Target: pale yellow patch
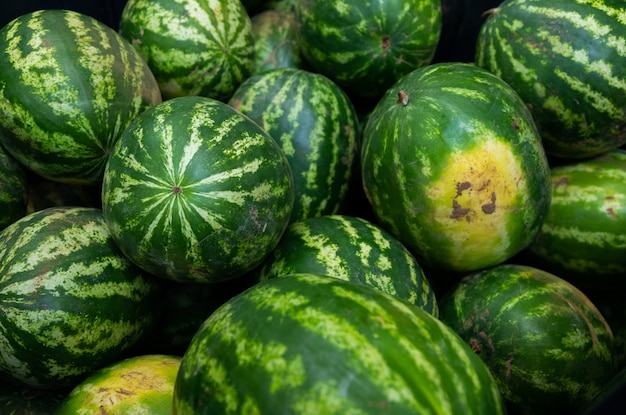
{"type": "Point", "coordinates": [474, 200]}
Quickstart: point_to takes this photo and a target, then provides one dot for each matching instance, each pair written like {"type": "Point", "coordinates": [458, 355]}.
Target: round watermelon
{"type": "Point", "coordinates": [70, 301]}
{"type": "Point", "coordinates": [365, 46]}
{"type": "Point", "coordinates": [138, 385]}
{"type": "Point", "coordinates": [547, 345]}
{"type": "Point", "coordinates": [69, 85]}
{"type": "Point", "coordinates": [309, 344]}
{"type": "Point", "coordinates": [353, 249]}
{"type": "Point", "coordinates": [453, 166]}
{"type": "Point", "coordinates": [566, 60]}
{"type": "Point", "coordinates": [193, 47]}
{"type": "Point", "coordinates": [195, 191]}
{"type": "Point", "coordinates": [317, 128]}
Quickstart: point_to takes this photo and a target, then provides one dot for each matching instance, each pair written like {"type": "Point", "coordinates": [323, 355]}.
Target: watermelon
{"type": "Point", "coordinates": [69, 86]}
{"type": "Point", "coordinates": [365, 46]}
{"type": "Point", "coordinates": [195, 191]}
{"type": "Point", "coordinates": [547, 345]}
{"type": "Point", "coordinates": [310, 344]}
{"type": "Point", "coordinates": [453, 166]}
{"type": "Point", "coordinates": [193, 47]}
{"type": "Point", "coordinates": [71, 301]}
{"type": "Point", "coordinates": [138, 385]}
{"type": "Point", "coordinates": [582, 237]}
{"type": "Point", "coordinates": [275, 40]}
{"type": "Point", "coordinates": [317, 128]}
{"type": "Point", "coordinates": [566, 60]}
{"type": "Point", "coordinates": [13, 190]}
{"type": "Point", "coordinates": [353, 249]}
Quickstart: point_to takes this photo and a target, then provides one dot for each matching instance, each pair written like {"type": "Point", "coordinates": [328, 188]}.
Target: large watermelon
{"type": "Point", "coordinates": [70, 301]}
{"type": "Point", "coordinates": [583, 238]}
{"type": "Point", "coordinates": [69, 86]}
{"type": "Point", "coordinates": [454, 167]}
{"type": "Point", "coordinates": [308, 344]}
{"type": "Point", "coordinates": [195, 191]}
{"type": "Point", "coordinates": [546, 343]}
{"type": "Point", "coordinates": [352, 249]}
{"type": "Point", "coordinates": [365, 46]}
{"type": "Point", "coordinates": [193, 47]}
{"type": "Point", "coordinates": [566, 60]}
{"type": "Point", "coordinates": [317, 128]}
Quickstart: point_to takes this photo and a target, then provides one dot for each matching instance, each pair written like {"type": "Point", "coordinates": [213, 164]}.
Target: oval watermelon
{"type": "Point", "coordinates": [351, 249]}
{"type": "Point", "coordinates": [547, 345]}
{"type": "Point", "coordinates": [195, 191]}
{"type": "Point", "coordinates": [308, 344]}
{"type": "Point", "coordinates": [566, 60]}
{"type": "Point", "coordinates": [70, 301]}
{"type": "Point", "coordinates": [193, 47]}
{"type": "Point", "coordinates": [69, 86]}
{"type": "Point", "coordinates": [453, 166]}
{"type": "Point", "coordinates": [316, 126]}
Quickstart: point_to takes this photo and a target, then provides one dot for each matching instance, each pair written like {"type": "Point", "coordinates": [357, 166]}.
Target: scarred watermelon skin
{"type": "Point", "coordinates": [548, 346]}
{"type": "Point", "coordinates": [69, 86]}
{"type": "Point", "coordinates": [195, 191]}
{"type": "Point", "coordinates": [453, 166]}
{"type": "Point", "coordinates": [70, 301]}
{"type": "Point", "coordinates": [193, 47]}
{"type": "Point", "coordinates": [582, 237]}
{"type": "Point", "coordinates": [317, 128]}
{"type": "Point", "coordinates": [310, 344]}
{"type": "Point", "coordinates": [566, 60]}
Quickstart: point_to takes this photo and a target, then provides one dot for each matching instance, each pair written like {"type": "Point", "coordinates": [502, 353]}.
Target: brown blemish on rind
{"type": "Point", "coordinates": [459, 211]}
{"type": "Point", "coordinates": [386, 43]}
{"type": "Point", "coordinates": [460, 186]}
{"type": "Point", "coordinates": [489, 208]}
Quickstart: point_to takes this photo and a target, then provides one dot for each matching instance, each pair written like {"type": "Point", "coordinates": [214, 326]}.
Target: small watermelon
{"type": "Point", "coordinates": [547, 345]}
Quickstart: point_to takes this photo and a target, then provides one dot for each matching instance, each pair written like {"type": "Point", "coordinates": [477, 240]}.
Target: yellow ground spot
{"type": "Point", "coordinates": [475, 199]}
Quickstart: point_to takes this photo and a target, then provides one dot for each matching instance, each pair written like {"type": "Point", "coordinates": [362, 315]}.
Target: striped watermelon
{"type": "Point", "coordinates": [545, 342]}
{"type": "Point", "coordinates": [138, 385]}
{"type": "Point", "coordinates": [13, 190]}
{"type": "Point", "coordinates": [69, 85]}
{"type": "Point", "coordinates": [308, 344]}
{"type": "Point", "coordinates": [365, 46]}
{"type": "Point", "coordinates": [275, 40]}
{"type": "Point", "coordinates": [567, 60]}
{"type": "Point", "coordinates": [353, 249]}
{"type": "Point", "coordinates": [316, 126]}
{"type": "Point", "coordinates": [71, 301]}
{"type": "Point", "coordinates": [583, 237]}
{"type": "Point", "coordinates": [195, 191]}
{"type": "Point", "coordinates": [193, 47]}
{"type": "Point", "coordinates": [454, 168]}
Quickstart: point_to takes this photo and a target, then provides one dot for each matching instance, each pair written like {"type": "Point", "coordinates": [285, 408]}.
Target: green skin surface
{"type": "Point", "coordinates": [366, 45]}
{"type": "Point", "coordinates": [69, 85]}
{"type": "Point", "coordinates": [457, 118]}
{"type": "Point", "coordinates": [312, 344]}
{"type": "Point", "coordinates": [198, 47]}
{"type": "Point", "coordinates": [546, 343]}
{"type": "Point", "coordinates": [566, 60]}
{"type": "Point", "coordinates": [581, 238]}
{"type": "Point", "coordinates": [194, 191]}
{"type": "Point", "coordinates": [275, 40]}
{"type": "Point", "coordinates": [139, 385]}
{"type": "Point", "coordinates": [70, 301]}
{"type": "Point", "coordinates": [316, 126]}
{"type": "Point", "coordinates": [13, 190]}
{"type": "Point", "coordinates": [352, 249]}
